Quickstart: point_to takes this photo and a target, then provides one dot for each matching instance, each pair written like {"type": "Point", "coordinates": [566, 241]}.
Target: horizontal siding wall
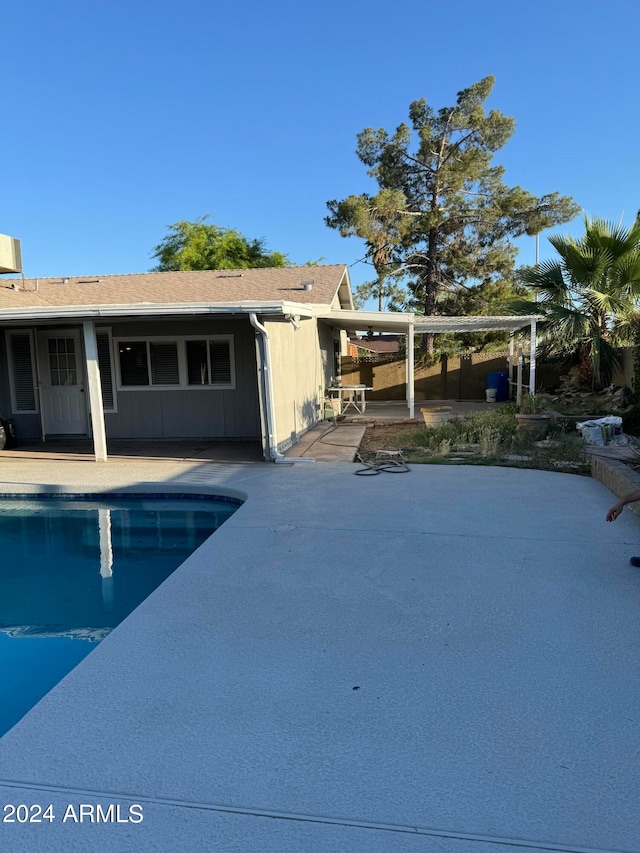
{"type": "Point", "coordinates": [184, 413]}
{"type": "Point", "coordinates": [298, 373]}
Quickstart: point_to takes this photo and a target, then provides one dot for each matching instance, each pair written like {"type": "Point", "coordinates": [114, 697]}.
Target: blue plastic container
{"type": "Point", "coordinates": [499, 381]}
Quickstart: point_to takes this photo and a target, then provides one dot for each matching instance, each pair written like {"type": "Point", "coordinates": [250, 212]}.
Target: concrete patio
{"type": "Point", "coordinates": [442, 661]}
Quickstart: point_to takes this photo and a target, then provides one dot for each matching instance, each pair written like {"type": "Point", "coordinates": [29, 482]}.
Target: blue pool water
{"type": "Point", "coordinates": [71, 569]}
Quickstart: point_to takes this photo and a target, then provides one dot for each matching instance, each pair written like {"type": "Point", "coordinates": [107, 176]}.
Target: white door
{"type": "Point", "coordinates": [62, 377]}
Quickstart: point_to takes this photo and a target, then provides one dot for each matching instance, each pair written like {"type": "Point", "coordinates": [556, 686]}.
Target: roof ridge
{"type": "Point", "coordinates": [170, 272]}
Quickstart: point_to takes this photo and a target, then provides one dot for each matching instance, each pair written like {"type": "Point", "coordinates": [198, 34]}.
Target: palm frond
{"type": "Point", "coordinates": [623, 330]}
{"type": "Point", "coordinates": [568, 321]}
{"type": "Point", "coordinates": [612, 237]}
{"type": "Point", "coordinates": [521, 307]}
{"type": "Point", "coordinates": [628, 274]}
{"type": "Point", "coordinates": [587, 265]}
{"type": "Point", "coordinates": [548, 280]}
{"type": "Point", "coordinates": [605, 360]}
{"type": "Point", "coordinates": [609, 303]}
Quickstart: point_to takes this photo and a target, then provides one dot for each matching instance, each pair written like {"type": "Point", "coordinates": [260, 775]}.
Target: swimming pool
{"type": "Point", "coordinates": [73, 567]}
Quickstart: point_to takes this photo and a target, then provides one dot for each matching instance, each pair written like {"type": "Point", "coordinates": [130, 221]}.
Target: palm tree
{"type": "Point", "coordinates": [588, 297]}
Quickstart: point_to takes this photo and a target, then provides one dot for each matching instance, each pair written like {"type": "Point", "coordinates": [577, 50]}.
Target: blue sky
{"type": "Point", "coordinates": [123, 117]}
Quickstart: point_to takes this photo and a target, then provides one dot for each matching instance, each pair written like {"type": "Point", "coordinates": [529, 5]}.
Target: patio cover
{"type": "Point", "coordinates": [412, 324]}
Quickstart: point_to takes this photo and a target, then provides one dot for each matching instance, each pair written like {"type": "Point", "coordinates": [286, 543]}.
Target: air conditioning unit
{"type": "Point", "coordinates": [10, 257]}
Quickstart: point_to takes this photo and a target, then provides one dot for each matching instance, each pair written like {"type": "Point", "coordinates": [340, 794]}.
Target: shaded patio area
{"type": "Point", "coordinates": [81, 450]}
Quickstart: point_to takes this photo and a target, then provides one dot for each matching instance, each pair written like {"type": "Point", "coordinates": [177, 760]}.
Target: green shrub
{"type": "Point", "coordinates": [493, 428]}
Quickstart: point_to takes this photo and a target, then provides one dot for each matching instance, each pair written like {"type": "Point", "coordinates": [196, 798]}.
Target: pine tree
{"type": "Point", "coordinates": [443, 217]}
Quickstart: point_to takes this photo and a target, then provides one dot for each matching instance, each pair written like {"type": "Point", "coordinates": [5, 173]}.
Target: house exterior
{"type": "Point", "coordinates": [380, 345]}
{"type": "Point", "coordinates": [225, 354]}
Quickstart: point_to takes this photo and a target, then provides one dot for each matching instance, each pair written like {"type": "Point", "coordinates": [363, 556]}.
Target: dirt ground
{"type": "Point", "coordinates": [390, 437]}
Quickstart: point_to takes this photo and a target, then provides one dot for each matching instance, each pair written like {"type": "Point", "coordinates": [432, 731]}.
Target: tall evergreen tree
{"type": "Point", "coordinates": [443, 216]}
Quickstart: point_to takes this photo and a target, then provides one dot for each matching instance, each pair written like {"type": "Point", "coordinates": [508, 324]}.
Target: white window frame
{"type": "Point", "coordinates": [34, 375]}
{"type": "Point", "coordinates": [180, 340]}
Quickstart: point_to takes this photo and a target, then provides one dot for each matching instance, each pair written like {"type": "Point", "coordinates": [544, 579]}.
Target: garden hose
{"type": "Point", "coordinates": [389, 461]}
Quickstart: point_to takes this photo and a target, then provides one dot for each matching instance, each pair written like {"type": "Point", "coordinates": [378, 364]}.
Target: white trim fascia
{"type": "Point", "coordinates": [151, 309]}
{"type": "Point", "coordinates": [347, 284]}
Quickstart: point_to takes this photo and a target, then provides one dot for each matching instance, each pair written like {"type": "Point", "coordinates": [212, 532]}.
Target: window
{"type": "Point", "coordinates": [208, 362]}
{"type": "Point", "coordinates": [164, 364]}
{"type": "Point", "coordinates": [189, 362]}
{"type": "Point", "coordinates": [134, 369]}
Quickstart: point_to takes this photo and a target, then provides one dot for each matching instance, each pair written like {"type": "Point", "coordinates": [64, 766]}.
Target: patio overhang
{"type": "Point", "coordinates": [377, 321]}
{"type": "Point", "coordinates": [435, 325]}
{"type": "Point", "coordinates": [401, 323]}
{"type": "Point", "coordinates": [412, 324]}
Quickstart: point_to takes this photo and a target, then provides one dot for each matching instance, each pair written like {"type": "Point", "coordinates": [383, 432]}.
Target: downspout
{"type": "Point", "coordinates": [270, 414]}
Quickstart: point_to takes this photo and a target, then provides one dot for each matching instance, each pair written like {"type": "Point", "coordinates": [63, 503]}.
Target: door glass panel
{"type": "Point", "coordinates": [62, 361]}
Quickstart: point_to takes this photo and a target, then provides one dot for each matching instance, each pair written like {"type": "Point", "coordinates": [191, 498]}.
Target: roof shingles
{"type": "Point", "coordinates": [214, 286]}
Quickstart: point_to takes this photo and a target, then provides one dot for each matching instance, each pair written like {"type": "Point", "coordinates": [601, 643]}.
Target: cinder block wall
{"type": "Point", "coordinates": [455, 377]}
{"type": "Point", "coordinates": [617, 476]}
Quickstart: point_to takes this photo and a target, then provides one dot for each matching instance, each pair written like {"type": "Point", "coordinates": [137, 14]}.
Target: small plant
{"type": "Point", "coordinates": [443, 449]}
{"type": "Point", "coordinates": [489, 441]}
{"type": "Point", "coordinates": [532, 404]}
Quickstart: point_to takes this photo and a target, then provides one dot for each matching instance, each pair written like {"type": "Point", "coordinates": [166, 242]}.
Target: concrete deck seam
{"type": "Point", "coordinates": [197, 481]}
{"type": "Point", "coordinates": [235, 525]}
{"type": "Point", "coordinates": [410, 829]}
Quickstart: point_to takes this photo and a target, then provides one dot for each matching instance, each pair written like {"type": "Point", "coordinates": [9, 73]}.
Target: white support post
{"type": "Point", "coordinates": [410, 372]}
{"type": "Point", "coordinates": [511, 338]}
{"type": "Point", "coordinates": [532, 361]}
{"type": "Point", "coordinates": [519, 385]}
{"type": "Point", "coordinates": [95, 391]}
